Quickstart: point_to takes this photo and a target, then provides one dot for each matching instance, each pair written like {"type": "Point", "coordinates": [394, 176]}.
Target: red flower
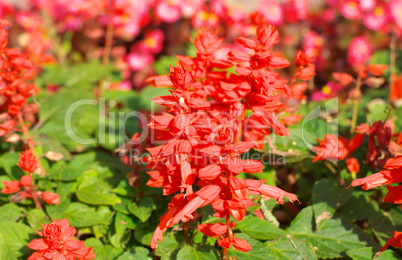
{"type": "Point", "coordinates": [28, 161]}
{"type": "Point", "coordinates": [50, 197]}
{"type": "Point", "coordinates": [353, 165]}
{"type": "Point", "coordinates": [387, 176]}
{"type": "Point", "coordinates": [238, 243]}
{"type": "Point", "coordinates": [11, 187]}
{"type": "Point", "coordinates": [395, 241]}
{"type": "Point", "coordinates": [58, 243]}
{"type": "Point", "coordinates": [213, 230]}
{"type": "Point", "coordinates": [331, 148]}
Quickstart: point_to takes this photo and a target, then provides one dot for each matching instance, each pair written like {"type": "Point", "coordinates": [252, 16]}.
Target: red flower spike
{"type": "Point", "coordinates": [58, 243]}
{"type": "Point", "coordinates": [27, 161]}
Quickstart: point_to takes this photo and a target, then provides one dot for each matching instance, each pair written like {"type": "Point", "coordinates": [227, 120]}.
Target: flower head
{"type": "Point", "coordinates": [28, 161]}
{"type": "Point", "coordinates": [58, 243]}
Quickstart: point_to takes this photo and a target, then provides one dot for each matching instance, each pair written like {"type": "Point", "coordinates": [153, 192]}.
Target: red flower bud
{"type": "Point", "coordinates": [26, 180]}
{"type": "Point", "coordinates": [28, 161]}
{"type": "Point", "coordinates": [50, 197]}
{"type": "Point", "coordinates": [11, 187]}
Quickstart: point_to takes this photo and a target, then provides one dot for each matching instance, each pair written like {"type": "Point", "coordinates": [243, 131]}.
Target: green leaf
{"type": "Point", "coordinates": [36, 218]}
{"type": "Point", "coordinates": [135, 253]}
{"type": "Point", "coordinates": [258, 252]}
{"type": "Point", "coordinates": [290, 248]}
{"type": "Point", "coordinates": [103, 252]}
{"type": "Point", "coordinates": [96, 192]}
{"type": "Point", "coordinates": [10, 212]}
{"type": "Point", "coordinates": [57, 211]}
{"type": "Point", "coordinates": [5, 251]}
{"type": "Point", "coordinates": [199, 253]}
{"type": "Point", "coordinates": [357, 208]}
{"type": "Point", "coordinates": [169, 246]}
{"type": "Point", "coordinates": [80, 215]}
{"type": "Point", "coordinates": [327, 197]}
{"type": "Point", "coordinates": [144, 235]}
{"type": "Point", "coordinates": [16, 237]}
{"type": "Point", "coordinates": [144, 210]}
{"type": "Point", "coordinates": [9, 163]}
{"type": "Point", "coordinates": [259, 228]}
{"type": "Point", "coordinates": [304, 221]}
{"type": "Point", "coordinates": [333, 238]}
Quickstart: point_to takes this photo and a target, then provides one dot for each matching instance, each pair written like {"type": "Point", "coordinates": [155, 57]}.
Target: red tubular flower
{"type": "Point", "coordinates": [395, 241]}
{"type": "Point", "coordinates": [50, 197]}
{"type": "Point", "coordinates": [353, 165]}
{"type": "Point", "coordinates": [11, 187]}
{"type": "Point", "coordinates": [58, 243]}
{"type": "Point", "coordinates": [238, 243]}
{"type": "Point", "coordinates": [213, 230]}
{"type": "Point", "coordinates": [28, 161]}
{"type": "Point", "coordinates": [331, 148]}
{"type": "Point", "coordinates": [394, 195]}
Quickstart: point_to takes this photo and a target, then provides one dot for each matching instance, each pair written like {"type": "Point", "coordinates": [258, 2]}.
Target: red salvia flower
{"type": "Point", "coordinates": [28, 161]}
{"type": "Point", "coordinates": [58, 243]}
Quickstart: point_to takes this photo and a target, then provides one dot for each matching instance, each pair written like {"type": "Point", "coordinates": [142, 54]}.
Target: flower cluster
{"type": "Point", "coordinates": [28, 164]}
{"type": "Point", "coordinates": [376, 14]}
{"type": "Point", "coordinates": [205, 130]}
{"type": "Point", "coordinates": [58, 243]}
{"type": "Point", "coordinates": [15, 69]}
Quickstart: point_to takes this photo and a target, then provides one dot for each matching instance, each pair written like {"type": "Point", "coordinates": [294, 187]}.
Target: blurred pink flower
{"type": "Point", "coordinates": [330, 90]}
{"type": "Point", "coordinates": [138, 60]}
{"type": "Point", "coordinates": [168, 10]}
{"type": "Point", "coordinates": [377, 18]}
{"type": "Point", "coordinates": [350, 9]}
{"type": "Point", "coordinates": [359, 51]}
{"type": "Point", "coordinates": [205, 19]}
{"type": "Point", "coordinates": [367, 5]}
{"type": "Point", "coordinates": [153, 41]}
{"type": "Point", "coordinates": [395, 8]}
{"type": "Point", "coordinates": [272, 11]}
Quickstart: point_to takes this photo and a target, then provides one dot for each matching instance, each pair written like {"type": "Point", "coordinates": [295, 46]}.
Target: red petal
{"type": "Point", "coordinates": [213, 230]}
{"type": "Point", "coordinates": [209, 172]}
{"type": "Point", "coordinates": [38, 244]}
{"type": "Point", "coordinates": [241, 244]}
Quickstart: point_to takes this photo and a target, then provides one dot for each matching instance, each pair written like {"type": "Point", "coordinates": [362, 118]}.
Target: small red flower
{"type": "Point", "coordinates": [58, 243]}
{"type": "Point", "coordinates": [50, 197]}
{"type": "Point", "coordinates": [395, 241]}
{"type": "Point", "coordinates": [28, 161]}
{"type": "Point", "coordinates": [353, 165]}
{"type": "Point", "coordinates": [11, 187]}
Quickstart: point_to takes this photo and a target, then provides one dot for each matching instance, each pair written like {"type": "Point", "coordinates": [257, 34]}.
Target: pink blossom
{"type": "Point", "coordinates": [330, 90]}
{"type": "Point", "coordinates": [395, 8]}
{"type": "Point", "coordinates": [272, 12]}
{"type": "Point", "coordinates": [168, 11]}
{"type": "Point", "coordinates": [153, 41]}
{"type": "Point", "coordinates": [205, 19]}
{"type": "Point", "coordinates": [138, 60]}
{"type": "Point", "coordinates": [350, 9]}
{"type": "Point", "coordinates": [377, 18]}
{"type": "Point", "coordinates": [359, 51]}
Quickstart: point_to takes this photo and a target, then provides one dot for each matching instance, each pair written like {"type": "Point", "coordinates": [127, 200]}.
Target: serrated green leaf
{"type": "Point", "coordinates": [36, 218]}
{"type": "Point", "coordinates": [258, 252]}
{"type": "Point", "coordinates": [290, 248]}
{"type": "Point", "coordinates": [16, 237]}
{"type": "Point", "coordinates": [96, 192]}
{"type": "Point", "coordinates": [142, 211]}
{"type": "Point", "coordinates": [135, 253]}
{"type": "Point", "coordinates": [259, 228]}
{"type": "Point", "coordinates": [5, 251]}
{"type": "Point", "coordinates": [169, 246]}
{"type": "Point", "coordinates": [103, 252]}
{"type": "Point", "coordinates": [199, 253]}
{"type": "Point", "coordinates": [10, 212]}
{"type": "Point", "coordinates": [327, 197]}
{"type": "Point", "coordinates": [80, 215]}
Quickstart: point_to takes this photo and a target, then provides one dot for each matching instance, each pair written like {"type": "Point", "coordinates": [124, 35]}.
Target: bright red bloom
{"type": "Point", "coordinates": [331, 148]}
{"type": "Point", "coordinates": [394, 195]}
{"type": "Point", "coordinates": [387, 176]}
{"type": "Point", "coordinates": [11, 187]}
{"type": "Point", "coordinates": [58, 243]}
{"type": "Point", "coordinates": [395, 241]}
{"type": "Point", "coordinates": [28, 161]}
{"type": "Point", "coordinates": [238, 243]}
{"type": "Point", "coordinates": [353, 165]}
{"type": "Point", "coordinates": [213, 230]}
{"type": "Point", "coordinates": [50, 197]}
